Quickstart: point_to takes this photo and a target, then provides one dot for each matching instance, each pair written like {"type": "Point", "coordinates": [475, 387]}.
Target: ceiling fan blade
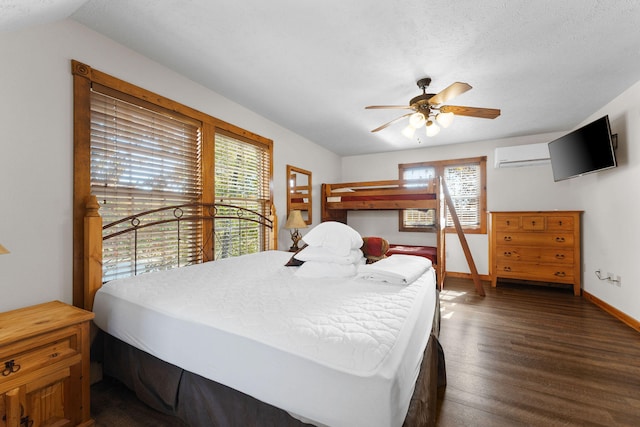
{"type": "Point", "coordinates": [483, 113]}
{"type": "Point", "coordinates": [392, 107]}
{"type": "Point", "coordinates": [448, 93]}
{"type": "Point", "coordinates": [391, 122]}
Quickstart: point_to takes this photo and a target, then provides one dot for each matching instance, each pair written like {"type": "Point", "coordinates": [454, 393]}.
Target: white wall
{"type": "Point", "coordinates": [611, 233]}
{"type": "Point", "coordinates": [36, 142]}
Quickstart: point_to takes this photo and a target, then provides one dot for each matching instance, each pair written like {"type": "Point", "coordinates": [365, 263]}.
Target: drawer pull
{"type": "Point", "coordinates": [10, 367]}
{"type": "Point", "coordinates": [507, 268]}
{"type": "Point", "coordinates": [559, 256]}
{"type": "Point", "coordinates": [507, 254]}
{"type": "Point", "coordinates": [559, 239]}
{"type": "Point", "coordinates": [560, 223]}
{"type": "Point", "coordinates": [508, 222]}
{"type": "Point", "coordinates": [507, 238]}
{"type": "Point", "coordinates": [26, 422]}
{"type": "Point", "coordinates": [560, 274]}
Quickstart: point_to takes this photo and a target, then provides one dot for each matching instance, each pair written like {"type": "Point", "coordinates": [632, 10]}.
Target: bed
{"type": "Point", "coordinates": [340, 198]}
{"type": "Point", "coordinates": [269, 347]}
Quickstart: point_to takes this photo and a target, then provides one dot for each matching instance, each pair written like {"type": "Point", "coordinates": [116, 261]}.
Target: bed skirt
{"type": "Point", "coordinates": [202, 402]}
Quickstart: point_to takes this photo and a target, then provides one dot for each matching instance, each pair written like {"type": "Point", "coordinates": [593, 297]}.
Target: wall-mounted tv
{"type": "Point", "coordinates": [585, 150]}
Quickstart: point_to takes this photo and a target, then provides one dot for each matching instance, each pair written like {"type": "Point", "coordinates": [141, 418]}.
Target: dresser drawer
{"type": "Point", "coordinates": [535, 254]}
{"type": "Point", "coordinates": [534, 271]}
{"type": "Point", "coordinates": [534, 239]}
{"type": "Point", "coordinates": [507, 222]}
{"type": "Point", "coordinates": [533, 223]}
{"type": "Point", "coordinates": [560, 223]}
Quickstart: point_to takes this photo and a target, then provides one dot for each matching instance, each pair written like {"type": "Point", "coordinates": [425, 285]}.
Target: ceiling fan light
{"type": "Point", "coordinates": [432, 128]}
{"type": "Point", "coordinates": [417, 120]}
{"type": "Point", "coordinates": [445, 119]}
{"type": "Point", "coordinates": [409, 131]}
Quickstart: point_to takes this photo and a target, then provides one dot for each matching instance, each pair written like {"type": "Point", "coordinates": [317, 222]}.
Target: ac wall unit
{"type": "Point", "coordinates": [522, 155]}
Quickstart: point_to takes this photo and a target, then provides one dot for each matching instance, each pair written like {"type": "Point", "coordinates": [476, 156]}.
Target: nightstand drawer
{"type": "Point", "coordinates": [36, 358]}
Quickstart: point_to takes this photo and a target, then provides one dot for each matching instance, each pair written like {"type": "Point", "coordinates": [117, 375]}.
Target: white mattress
{"type": "Point", "coordinates": [329, 351]}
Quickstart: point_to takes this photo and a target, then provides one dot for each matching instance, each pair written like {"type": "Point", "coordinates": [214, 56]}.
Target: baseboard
{"type": "Point", "coordinates": [635, 324]}
{"type": "Point", "coordinates": [483, 277]}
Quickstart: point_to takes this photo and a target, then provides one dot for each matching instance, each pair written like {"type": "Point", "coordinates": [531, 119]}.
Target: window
{"type": "Point", "coordinates": [466, 181]}
{"type": "Point", "coordinates": [136, 151]}
{"type": "Point", "coordinates": [242, 171]}
{"type": "Point", "coordinates": [142, 160]}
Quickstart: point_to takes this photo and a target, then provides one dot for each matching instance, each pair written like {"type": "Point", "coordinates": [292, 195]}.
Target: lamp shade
{"type": "Point", "coordinates": [444, 119]}
{"type": "Point", "coordinates": [295, 220]}
{"type": "Point", "coordinates": [409, 131]}
{"type": "Point", "coordinates": [3, 250]}
{"type": "Point", "coordinates": [432, 129]}
{"type": "Point", "coordinates": [417, 120]}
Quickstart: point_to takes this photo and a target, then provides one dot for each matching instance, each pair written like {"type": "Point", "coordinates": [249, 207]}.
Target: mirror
{"type": "Point", "coordinates": [299, 192]}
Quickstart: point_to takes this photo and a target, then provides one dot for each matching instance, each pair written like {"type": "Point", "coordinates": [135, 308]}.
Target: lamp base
{"type": "Point", "coordinates": [295, 238]}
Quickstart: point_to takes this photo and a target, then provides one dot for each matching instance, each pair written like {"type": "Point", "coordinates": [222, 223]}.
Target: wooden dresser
{"type": "Point", "coordinates": [536, 246]}
{"type": "Point", "coordinates": [44, 364]}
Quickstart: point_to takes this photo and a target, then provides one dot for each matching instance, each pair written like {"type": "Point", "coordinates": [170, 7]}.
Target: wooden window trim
{"type": "Point", "coordinates": [439, 166]}
{"type": "Point", "coordinates": [84, 77]}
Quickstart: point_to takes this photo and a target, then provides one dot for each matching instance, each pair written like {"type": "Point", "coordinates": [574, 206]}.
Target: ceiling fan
{"type": "Point", "coordinates": [427, 109]}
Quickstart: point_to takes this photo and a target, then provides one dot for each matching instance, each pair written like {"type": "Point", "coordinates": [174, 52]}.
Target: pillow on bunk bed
{"type": "Point", "coordinates": [322, 254]}
{"type": "Point", "coordinates": [374, 248]}
{"type": "Point", "coordinates": [333, 235]}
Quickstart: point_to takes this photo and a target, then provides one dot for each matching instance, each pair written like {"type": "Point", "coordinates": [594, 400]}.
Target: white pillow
{"type": "Point", "coordinates": [318, 269]}
{"type": "Point", "coordinates": [336, 236]}
{"type": "Point", "coordinates": [319, 253]}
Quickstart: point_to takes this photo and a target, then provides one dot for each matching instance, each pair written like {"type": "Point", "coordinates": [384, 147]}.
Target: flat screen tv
{"type": "Point", "coordinates": [585, 150]}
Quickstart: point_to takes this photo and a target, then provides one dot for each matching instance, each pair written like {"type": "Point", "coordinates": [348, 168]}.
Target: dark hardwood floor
{"type": "Point", "coordinates": [521, 356]}
{"type": "Point", "coordinates": [535, 356]}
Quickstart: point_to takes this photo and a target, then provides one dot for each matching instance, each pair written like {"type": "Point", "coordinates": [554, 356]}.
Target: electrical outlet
{"type": "Point", "coordinates": [618, 281]}
{"type": "Point", "coordinates": [610, 277]}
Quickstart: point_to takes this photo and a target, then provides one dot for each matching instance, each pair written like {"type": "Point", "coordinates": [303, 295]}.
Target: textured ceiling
{"type": "Point", "coordinates": [312, 66]}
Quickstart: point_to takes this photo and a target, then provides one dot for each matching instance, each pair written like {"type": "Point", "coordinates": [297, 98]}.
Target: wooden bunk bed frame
{"type": "Point", "coordinates": [338, 199]}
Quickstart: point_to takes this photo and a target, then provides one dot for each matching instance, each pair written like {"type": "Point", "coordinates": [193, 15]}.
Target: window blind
{"type": "Point", "coordinates": [463, 182]}
{"type": "Point", "coordinates": [419, 218]}
{"type": "Point", "coordinates": [142, 160]}
{"type": "Point", "coordinates": [242, 178]}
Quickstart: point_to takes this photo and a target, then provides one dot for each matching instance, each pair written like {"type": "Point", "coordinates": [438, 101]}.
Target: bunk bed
{"type": "Point", "coordinates": [338, 199]}
{"type": "Point", "coordinates": [179, 360]}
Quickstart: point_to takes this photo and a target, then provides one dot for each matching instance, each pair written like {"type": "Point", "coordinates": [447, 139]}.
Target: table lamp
{"type": "Point", "coordinates": [294, 222]}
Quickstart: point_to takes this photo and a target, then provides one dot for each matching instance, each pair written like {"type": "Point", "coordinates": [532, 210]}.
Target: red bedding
{"type": "Point", "coordinates": [423, 251]}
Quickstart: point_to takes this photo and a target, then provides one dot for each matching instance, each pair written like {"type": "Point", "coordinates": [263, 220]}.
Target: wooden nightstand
{"type": "Point", "coordinates": [44, 366]}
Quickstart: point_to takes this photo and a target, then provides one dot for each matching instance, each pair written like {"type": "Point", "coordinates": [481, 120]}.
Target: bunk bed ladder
{"type": "Point", "coordinates": [463, 240]}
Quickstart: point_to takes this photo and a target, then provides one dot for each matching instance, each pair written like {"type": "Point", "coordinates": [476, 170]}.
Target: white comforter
{"type": "Point", "coordinates": [331, 351]}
